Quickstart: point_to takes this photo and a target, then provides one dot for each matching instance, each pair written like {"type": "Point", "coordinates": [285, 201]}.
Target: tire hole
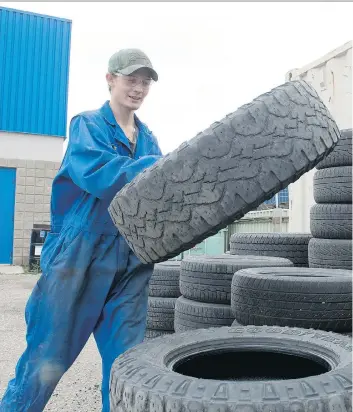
{"type": "Point", "coordinates": [250, 365]}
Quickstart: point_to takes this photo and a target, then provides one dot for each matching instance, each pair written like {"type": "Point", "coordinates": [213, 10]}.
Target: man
{"type": "Point", "coordinates": [91, 281]}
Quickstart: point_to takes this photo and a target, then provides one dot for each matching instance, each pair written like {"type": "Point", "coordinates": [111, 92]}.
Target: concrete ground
{"type": "Point", "coordinates": [79, 389]}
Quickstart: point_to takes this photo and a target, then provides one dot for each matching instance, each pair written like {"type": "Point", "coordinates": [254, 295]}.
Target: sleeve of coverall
{"type": "Point", "coordinates": [95, 167]}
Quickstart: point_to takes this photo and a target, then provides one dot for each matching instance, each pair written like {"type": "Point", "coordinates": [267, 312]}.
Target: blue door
{"type": "Point", "coordinates": [7, 213]}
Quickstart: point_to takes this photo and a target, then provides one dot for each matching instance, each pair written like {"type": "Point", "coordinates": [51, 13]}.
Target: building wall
{"type": "Point", "coordinates": [34, 78]}
{"type": "Point", "coordinates": [33, 183]}
{"type": "Point", "coordinates": [34, 72]}
{"type": "Point", "coordinates": [331, 76]}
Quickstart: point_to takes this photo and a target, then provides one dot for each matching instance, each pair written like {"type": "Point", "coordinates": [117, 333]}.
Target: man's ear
{"type": "Point", "coordinates": [110, 78]}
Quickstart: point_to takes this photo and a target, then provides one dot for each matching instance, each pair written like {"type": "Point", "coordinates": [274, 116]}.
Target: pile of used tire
{"type": "Point", "coordinates": [163, 293]}
{"type": "Point", "coordinates": [215, 178]}
{"type": "Point", "coordinates": [331, 217]}
{"type": "Point", "coordinates": [205, 285]}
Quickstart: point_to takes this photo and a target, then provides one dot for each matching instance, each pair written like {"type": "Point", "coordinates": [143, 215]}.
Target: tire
{"type": "Point", "coordinates": [206, 279]}
{"type": "Point", "coordinates": [165, 280]}
{"type": "Point", "coordinates": [224, 172]}
{"type": "Point", "coordinates": [333, 185]}
{"type": "Point", "coordinates": [300, 297]}
{"type": "Point", "coordinates": [199, 315]}
{"type": "Point", "coordinates": [341, 154]}
{"type": "Point", "coordinates": [153, 333]}
{"type": "Point", "coordinates": [160, 313]}
{"type": "Point", "coordinates": [236, 369]}
{"type": "Point", "coordinates": [293, 246]}
{"type": "Point", "coordinates": [331, 221]}
{"type": "Point", "coordinates": [330, 253]}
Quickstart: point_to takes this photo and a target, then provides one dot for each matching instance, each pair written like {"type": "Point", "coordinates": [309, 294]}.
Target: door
{"type": "Point", "coordinates": [7, 213]}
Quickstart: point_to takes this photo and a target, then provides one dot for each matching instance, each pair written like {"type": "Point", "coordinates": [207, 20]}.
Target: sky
{"type": "Point", "coordinates": [211, 57]}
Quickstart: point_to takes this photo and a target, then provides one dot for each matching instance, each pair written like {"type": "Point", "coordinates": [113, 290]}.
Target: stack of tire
{"type": "Point", "coordinates": [292, 246]}
{"type": "Point", "coordinates": [331, 217]}
{"type": "Point", "coordinates": [205, 284]}
{"type": "Point", "coordinates": [163, 293]}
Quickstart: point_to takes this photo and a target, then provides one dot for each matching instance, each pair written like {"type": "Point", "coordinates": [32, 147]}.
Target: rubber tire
{"type": "Point", "coordinates": [224, 172]}
{"type": "Point", "coordinates": [333, 185]}
{"type": "Point", "coordinates": [165, 280]}
{"type": "Point", "coordinates": [341, 154]}
{"type": "Point", "coordinates": [160, 313]}
{"type": "Point", "coordinates": [143, 379]}
{"type": "Point", "coordinates": [300, 297]}
{"type": "Point", "coordinates": [209, 279]}
{"type": "Point", "coordinates": [331, 221]}
{"type": "Point", "coordinates": [155, 333]}
{"type": "Point", "coordinates": [190, 315]}
{"type": "Point", "coordinates": [293, 246]}
{"type": "Point", "coordinates": [330, 253]}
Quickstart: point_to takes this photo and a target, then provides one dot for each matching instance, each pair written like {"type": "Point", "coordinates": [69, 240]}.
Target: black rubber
{"type": "Point", "coordinates": [300, 297]}
{"type": "Point", "coordinates": [237, 369]}
{"type": "Point", "coordinates": [155, 333]}
{"type": "Point", "coordinates": [165, 280]}
{"type": "Point", "coordinates": [160, 313]}
{"type": "Point", "coordinates": [209, 279]}
{"type": "Point", "coordinates": [330, 253]}
{"type": "Point", "coordinates": [190, 314]}
{"type": "Point", "coordinates": [333, 185]}
{"type": "Point", "coordinates": [331, 221]}
{"type": "Point", "coordinates": [341, 154]}
{"type": "Point", "coordinates": [293, 246]}
{"type": "Point", "coordinates": [224, 172]}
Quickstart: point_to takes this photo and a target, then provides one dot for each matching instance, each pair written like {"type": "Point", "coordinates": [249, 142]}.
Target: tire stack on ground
{"type": "Point", "coordinates": [163, 293]}
{"type": "Point", "coordinates": [292, 246]}
{"type": "Point", "coordinates": [295, 297]}
{"type": "Point", "coordinates": [205, 284]}
{"type": "Point", "coordinates": [331, 217]}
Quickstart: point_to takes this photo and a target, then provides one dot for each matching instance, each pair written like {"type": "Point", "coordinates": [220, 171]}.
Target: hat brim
{"type": "Point", "coordinates": [131, 69]}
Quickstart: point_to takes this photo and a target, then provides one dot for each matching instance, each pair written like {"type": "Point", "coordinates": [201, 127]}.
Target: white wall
{"type": "Point", "coordinates": [31, 147]}
{"type": "Point", "coordinates": [331, 76]}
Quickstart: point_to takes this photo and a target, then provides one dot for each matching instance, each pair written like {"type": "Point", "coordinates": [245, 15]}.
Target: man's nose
{"type": "Point", "coordinates": [139, 87]}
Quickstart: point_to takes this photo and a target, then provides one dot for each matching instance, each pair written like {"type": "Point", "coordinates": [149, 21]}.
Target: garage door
{"type": "Point", "coordinates": [7, 213]}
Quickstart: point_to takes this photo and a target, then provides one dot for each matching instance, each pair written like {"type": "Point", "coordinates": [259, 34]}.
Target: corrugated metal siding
{"type": "Point", "coordinates": [34, 72]}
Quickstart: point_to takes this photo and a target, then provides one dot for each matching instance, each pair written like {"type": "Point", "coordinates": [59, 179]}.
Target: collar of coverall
{"type": "Point", "coordinates": [108, 114]}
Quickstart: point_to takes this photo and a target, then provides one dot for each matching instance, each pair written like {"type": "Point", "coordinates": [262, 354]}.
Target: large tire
{"type": "Point", "coordinates": [301, 297]}
{"type": "Point", "coordinates": [236, 369]}
{"type": "Point", "coordinates": [333, 185]}
{"type": "Point", "coordinates": [331, 221]}
{"type": "Point", "coordinates": [165, 280]}
{"type": "Point", "coordinates": [341, 154]}
{"type": "Point", "coordinates": [199, 315]}
{"type": "Point", "coordinates": [293, 246]}
{"type": "Point", "coordinates": [330, 253]}
{"type": "Point", "coordinates": [160, 313]}
{"type": "Point", "coordinates": [224, 172]}
{"type": "Point", "coordinates": [207, 279]}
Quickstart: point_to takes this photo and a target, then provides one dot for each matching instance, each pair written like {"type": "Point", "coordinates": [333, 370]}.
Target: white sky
{"type": "Point", "coordinates": [211, 57]}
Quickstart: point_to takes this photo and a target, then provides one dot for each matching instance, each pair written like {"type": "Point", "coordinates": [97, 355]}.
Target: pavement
{"type": "Point", "coordinates": [79, 389]}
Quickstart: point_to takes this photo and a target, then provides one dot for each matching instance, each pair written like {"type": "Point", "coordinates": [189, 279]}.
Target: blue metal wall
{"type": "Point", "coordinates": [34, 72]}
{"type": "Point", "coordinates": [7, 213]}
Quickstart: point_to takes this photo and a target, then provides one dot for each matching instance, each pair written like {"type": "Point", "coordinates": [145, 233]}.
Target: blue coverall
{"type": "Point", "coordinates": [91, 281]}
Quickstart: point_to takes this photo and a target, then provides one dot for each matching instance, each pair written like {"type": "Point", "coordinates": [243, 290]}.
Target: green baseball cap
{"type": "Point", "coordinates": [127, 61]}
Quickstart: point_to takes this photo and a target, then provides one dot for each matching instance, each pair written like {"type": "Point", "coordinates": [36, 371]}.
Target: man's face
{"type": "Point", "coordinates": [130, 91]}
